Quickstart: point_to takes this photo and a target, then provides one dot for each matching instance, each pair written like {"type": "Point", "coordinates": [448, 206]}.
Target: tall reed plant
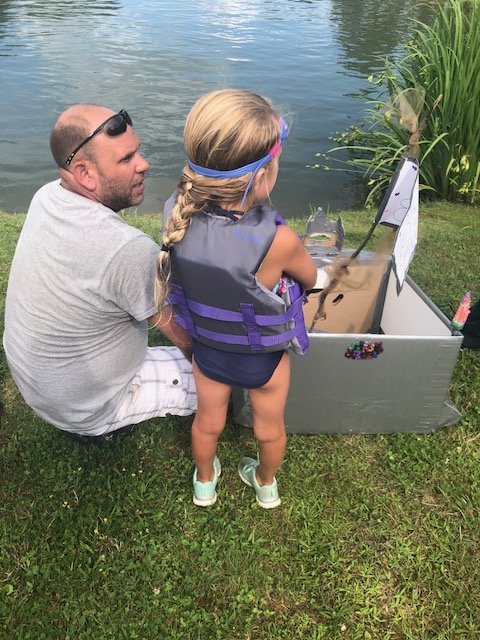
{"type": "Point", "coordinates": [444, 60]}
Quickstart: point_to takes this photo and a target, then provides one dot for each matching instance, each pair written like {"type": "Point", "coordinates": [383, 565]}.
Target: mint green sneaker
{"type": "Point", "coordinates": [267, 495]}
{"type": "Point", "coordinates": [204, 493]}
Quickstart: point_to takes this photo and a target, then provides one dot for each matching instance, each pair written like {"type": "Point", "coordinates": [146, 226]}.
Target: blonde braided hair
{"type": "Point", "coordinates": [225, 129]}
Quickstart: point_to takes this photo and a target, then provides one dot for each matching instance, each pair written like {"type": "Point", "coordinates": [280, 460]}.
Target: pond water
{"type": "Point", "coordinates": [155, 58]}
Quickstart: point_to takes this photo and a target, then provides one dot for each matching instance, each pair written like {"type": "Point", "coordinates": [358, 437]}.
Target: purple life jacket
{"type": "Point", "coordinates": [214, 292]}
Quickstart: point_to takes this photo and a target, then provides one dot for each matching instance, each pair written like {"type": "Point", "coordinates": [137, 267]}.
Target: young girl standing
{"type": "Point", "coordinates": [232, 270]}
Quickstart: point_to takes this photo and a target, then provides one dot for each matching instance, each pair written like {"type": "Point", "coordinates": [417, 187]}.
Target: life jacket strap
{"type": "Point", "coordinates": [246, 317]}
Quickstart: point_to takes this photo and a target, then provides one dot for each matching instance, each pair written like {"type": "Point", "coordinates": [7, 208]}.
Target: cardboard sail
{"type": "Point", "coordinates": [401, 193]}
{"type": "Point", "coordinates": [399, 209]}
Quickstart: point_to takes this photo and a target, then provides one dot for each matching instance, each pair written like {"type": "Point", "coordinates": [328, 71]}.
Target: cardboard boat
{"type": "Point", "coordinates": [380, 362]}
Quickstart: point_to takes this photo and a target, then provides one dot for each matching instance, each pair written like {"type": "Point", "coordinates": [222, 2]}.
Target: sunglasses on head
{"type": "Point", "coordinates": [113, 126]}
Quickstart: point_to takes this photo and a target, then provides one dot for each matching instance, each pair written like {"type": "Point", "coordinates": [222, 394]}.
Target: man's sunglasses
{"type": "Point", "coordinates": [113, 126]}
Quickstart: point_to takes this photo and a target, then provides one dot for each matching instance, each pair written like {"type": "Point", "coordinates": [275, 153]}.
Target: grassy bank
{"type": "Point", "coordinates": [377, 536]}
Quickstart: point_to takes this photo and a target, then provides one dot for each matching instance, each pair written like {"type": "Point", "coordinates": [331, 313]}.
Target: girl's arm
{"type": "Point", "coordinates": [287, 255]}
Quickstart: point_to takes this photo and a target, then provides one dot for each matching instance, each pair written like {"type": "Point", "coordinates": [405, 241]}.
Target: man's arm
{"type": "Point", "coordinates": [166, 324]}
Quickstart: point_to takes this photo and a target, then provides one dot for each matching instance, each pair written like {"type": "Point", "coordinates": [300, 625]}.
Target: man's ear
{"type": "Point", "coordinates": [85, 174]}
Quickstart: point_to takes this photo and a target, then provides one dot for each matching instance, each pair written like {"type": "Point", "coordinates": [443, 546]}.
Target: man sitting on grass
{"type": "Point", "coordinates": [80, 291]}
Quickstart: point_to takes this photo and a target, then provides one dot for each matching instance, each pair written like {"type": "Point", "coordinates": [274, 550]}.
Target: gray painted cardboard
{"type": "Point", "coordinates": [405, 389]}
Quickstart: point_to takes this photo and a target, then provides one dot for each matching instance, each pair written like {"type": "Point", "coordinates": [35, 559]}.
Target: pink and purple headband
{"type": "Point", "coordinates": [252, 167]}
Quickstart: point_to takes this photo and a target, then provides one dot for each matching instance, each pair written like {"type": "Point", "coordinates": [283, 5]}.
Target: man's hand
{"type": "Point", "coordinates": [166, 324]}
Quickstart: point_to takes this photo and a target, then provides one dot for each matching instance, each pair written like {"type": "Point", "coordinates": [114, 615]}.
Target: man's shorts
{"type": "Point", "coordinates": [162, 386]}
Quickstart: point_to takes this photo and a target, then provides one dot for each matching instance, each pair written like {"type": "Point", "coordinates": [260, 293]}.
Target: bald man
{"type": "Point", "coordinates": [80, 291]}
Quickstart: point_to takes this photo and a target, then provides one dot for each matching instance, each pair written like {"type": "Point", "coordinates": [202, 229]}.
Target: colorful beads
{"type": "Point", "coordinates": [364, 350]}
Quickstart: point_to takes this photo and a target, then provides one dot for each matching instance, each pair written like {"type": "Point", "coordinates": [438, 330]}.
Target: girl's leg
{"type": "Point", "coordinates": [268, 408]}
{"type": "Point", "coordinates": [209, 422]}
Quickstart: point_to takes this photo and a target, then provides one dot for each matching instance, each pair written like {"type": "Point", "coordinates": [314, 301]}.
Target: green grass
{"type": "Point", "coordinates": [377, 536]}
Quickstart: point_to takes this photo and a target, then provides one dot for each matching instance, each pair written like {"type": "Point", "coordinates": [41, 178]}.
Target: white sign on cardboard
{"type": "Point", "coordinates": [399, 195]}
{"type": "Point", "coordinates": [406, 239]}
{"type": "Point", "coordinates": [400, 209]}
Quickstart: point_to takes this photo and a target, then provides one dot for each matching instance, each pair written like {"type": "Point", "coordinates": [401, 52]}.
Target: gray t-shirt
{"type": "Point", "coordinates": [79, 294]}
